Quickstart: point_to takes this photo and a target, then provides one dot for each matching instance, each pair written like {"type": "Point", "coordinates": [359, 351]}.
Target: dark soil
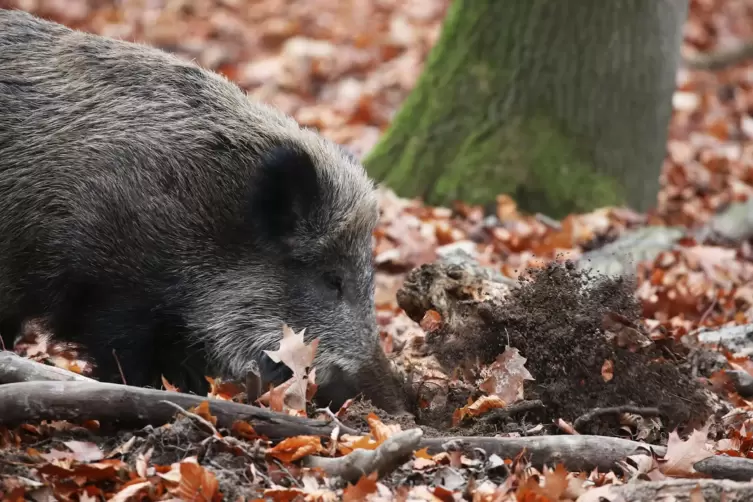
{"type": "Point", "coordinates": [555, 318]}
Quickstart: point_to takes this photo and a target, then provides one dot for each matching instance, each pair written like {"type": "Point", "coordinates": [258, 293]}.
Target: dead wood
{"type": "Point", "coordinates": [126, 406]}
{"type": "Point", "coordinates": [584, 453]}
{"type": "Point", "coordinates": [385, 458]}
{"type": "Point", "coordinates": [679, 490]}
{"type": "Point", "coordinates": [721, 59]}
{"type": "Point", "coordinates": [14, 368]}
{"type": "Point", "coordinates": [584, 419]}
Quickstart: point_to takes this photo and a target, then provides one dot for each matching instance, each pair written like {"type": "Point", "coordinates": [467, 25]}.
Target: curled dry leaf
{"type": "Point", "coordinates": [362, 489]}
{"type": "Point", "coordinates": [168, 386]}
{"type": "Point", "coordinates": [85, 451]}
{"type": "Point", "coordinates": [478, 407]}
{"type": "Point", "coordinates": [431, 321]}
{"type": "Point", "coordinates": [222, 390]}
{"type": "Point", "coordinates": [244, 430]}
{"type": "Point", "coordinates": [347, 443]}
{"type": "Point", "coordinates": [130, 490]}
{"type": "Point", "coordinates": [607, 370]}
{"type": "Point", "coordinates": [555, 484]}
{"type": "Point", "coordinates": [295, 448]}
{"type": "Point", "coordinates": [197, 484]}
{"type": "Point", "coordinates": [507, 375]}
{"type": "Point", "coordinates": [294, 352]}
{"type": "Point", "coordinates": [202, 410]}
{"type": "Point", "coordinates": [379, 430]}
{"type": "Point", "coordinates": [623, 332]}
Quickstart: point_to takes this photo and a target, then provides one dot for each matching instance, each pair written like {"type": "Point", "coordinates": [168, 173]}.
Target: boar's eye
{"type": "Point", "coordinates": [334, 282]}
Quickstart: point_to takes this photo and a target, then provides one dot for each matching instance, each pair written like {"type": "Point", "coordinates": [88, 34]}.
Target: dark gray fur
{"type": "Point", "coordinates": [148, 206]}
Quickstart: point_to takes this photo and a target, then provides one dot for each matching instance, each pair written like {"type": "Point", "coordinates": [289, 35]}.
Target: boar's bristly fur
{"type": "Point", "coordinates": [153, 213]}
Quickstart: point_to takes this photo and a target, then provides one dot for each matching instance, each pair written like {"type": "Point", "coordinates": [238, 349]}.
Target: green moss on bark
{"type": "Point", "coordinates": [564, 116]}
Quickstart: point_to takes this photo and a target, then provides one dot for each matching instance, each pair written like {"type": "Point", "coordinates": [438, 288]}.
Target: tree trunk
{"type": "Point", "coordinates": [562, 104]}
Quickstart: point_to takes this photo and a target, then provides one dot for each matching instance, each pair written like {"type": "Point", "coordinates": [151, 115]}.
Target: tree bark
{"type": "Point", "coordinates": [564, 105]}
{"type": "Point", "coordinates": [125, 407]}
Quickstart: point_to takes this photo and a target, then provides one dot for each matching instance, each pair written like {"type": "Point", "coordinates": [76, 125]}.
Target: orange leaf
{"type": "Point", "coordinates": [128, 492]}
{"type": "Point", "coordinates": [203, 411]}
{"type": "Point", "coordinates": [222, 390]}
{"type": "Point", "coordinates": [607, 370]}
{"type": "Point", "coordinates": [379, 430]}
{"type": "Point", "coordinates": [197, 484]}
{"type": "Point", "coordinates": [431, 321]}
{"type": "Point", "coordinates": [478, 407]}
{"type": "Point", "coordinates": [292, 449]}
{"type": "Point", "coordinates": [168, 386]}
{"type": "Point", "coordinates": [244, 430]}
{"type": "Point", "coordinates": [362, 489]}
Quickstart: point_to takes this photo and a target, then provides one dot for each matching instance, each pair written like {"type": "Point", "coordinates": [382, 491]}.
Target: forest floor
{"type": "Point", "coordinates": [534, 379]}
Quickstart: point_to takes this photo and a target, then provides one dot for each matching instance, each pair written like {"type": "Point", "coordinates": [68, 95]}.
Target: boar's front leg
{"type": "Point", "coordinates": [116, 337]}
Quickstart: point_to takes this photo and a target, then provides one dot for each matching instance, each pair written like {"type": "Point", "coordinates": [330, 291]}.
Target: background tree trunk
{"type": "Point", "coordinates": [562, 104]}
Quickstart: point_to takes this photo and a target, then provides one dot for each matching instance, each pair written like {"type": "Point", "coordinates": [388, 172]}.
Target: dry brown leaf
{"type": "Point", "coordinates": [222, 390]}
{"type": "Point", "coordinates": [295, 448]}
{"type": "Point", "coordinates": [348, 443]}
{"type": "Point", "coordinates": [682, 455]}
{"type": "Point", "coordinates": [431, 321]}
{"type": "Point", "coordinates": [85, 451]}
{"type": "Point", "coordinates": [197, 484]}
{"type": "Point", "coordinates": [696, 495]}
{"type": "Point", "coordinates": [508, 373]}
{"type": "Point", "coordinates": [244, 430]}
{"type": "Point", "coordinates": [379, 430]}
{"type": "Point", "coordinates": [294, 352]}
{"type": "Point", "coordinates": [284, 494]}
{"type": "Point", "coordinates": [168, 386]}
{"type": "Point", "coordinates": [624, 333]}
{"type": "Point", "coordinates": [607, 370]}
{"type": "Point", "coordinates": [362, 489]}
{"type": "Point", "coordinates": [202, 410]}
{"type": "Point", "coordinates": [129, 491]}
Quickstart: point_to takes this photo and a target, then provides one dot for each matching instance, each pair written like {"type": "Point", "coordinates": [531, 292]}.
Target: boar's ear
{"type": "Point", "coordinates": [285, 191]}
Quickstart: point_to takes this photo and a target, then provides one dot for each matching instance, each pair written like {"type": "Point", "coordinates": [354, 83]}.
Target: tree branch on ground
{"type": "Point", "coordinates": [14, 368]}
{"type": "Point", "coordinates": [680, 490]}
{"type": "Point", "coordinates": [129, 406]}
{"type": "Point", "coordinates": [584, 453]}
{"type": "Point", "coordinates": [615, 410]}
{"type": "Point", "coordinates": [721, 59]}
{"type": "Point", "coordinates": [385, 458]}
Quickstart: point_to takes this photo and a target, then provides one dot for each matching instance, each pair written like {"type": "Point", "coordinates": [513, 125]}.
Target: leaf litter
{"type": "Point", "coordinates": [344, 68]}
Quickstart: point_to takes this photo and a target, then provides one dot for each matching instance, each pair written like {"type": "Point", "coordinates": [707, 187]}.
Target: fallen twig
{"type": "Point", "coordinates": [128, 406]}
{"type": "Point", "coordinates": [586, 452]}
{"type": "Point", "coordinates": [193, 416]}
{"type": "Point", "coordinates": [385, 458]}
{"type": "Point", "coordinates": [253, 386]}
{"type": "Point", "coordinates": [334, 418]}
{"type": "Point", "coordinates": [14, 368]}
{"type": "Point", "coordinates": [512, 410]}
{"type": "Point", "coordinates": [720, 59]}
{"type": "Point", "coordinates": [679, 490]}
{"type": "Point", "coordinates": [586, 418]}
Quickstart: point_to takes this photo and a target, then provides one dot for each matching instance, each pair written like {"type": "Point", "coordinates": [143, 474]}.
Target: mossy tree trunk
{"type": "Point", "coordinates": [563, 104]}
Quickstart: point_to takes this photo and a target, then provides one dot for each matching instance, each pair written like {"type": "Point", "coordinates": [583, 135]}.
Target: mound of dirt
{"type": "Point", "coordinates": [569, 326]}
